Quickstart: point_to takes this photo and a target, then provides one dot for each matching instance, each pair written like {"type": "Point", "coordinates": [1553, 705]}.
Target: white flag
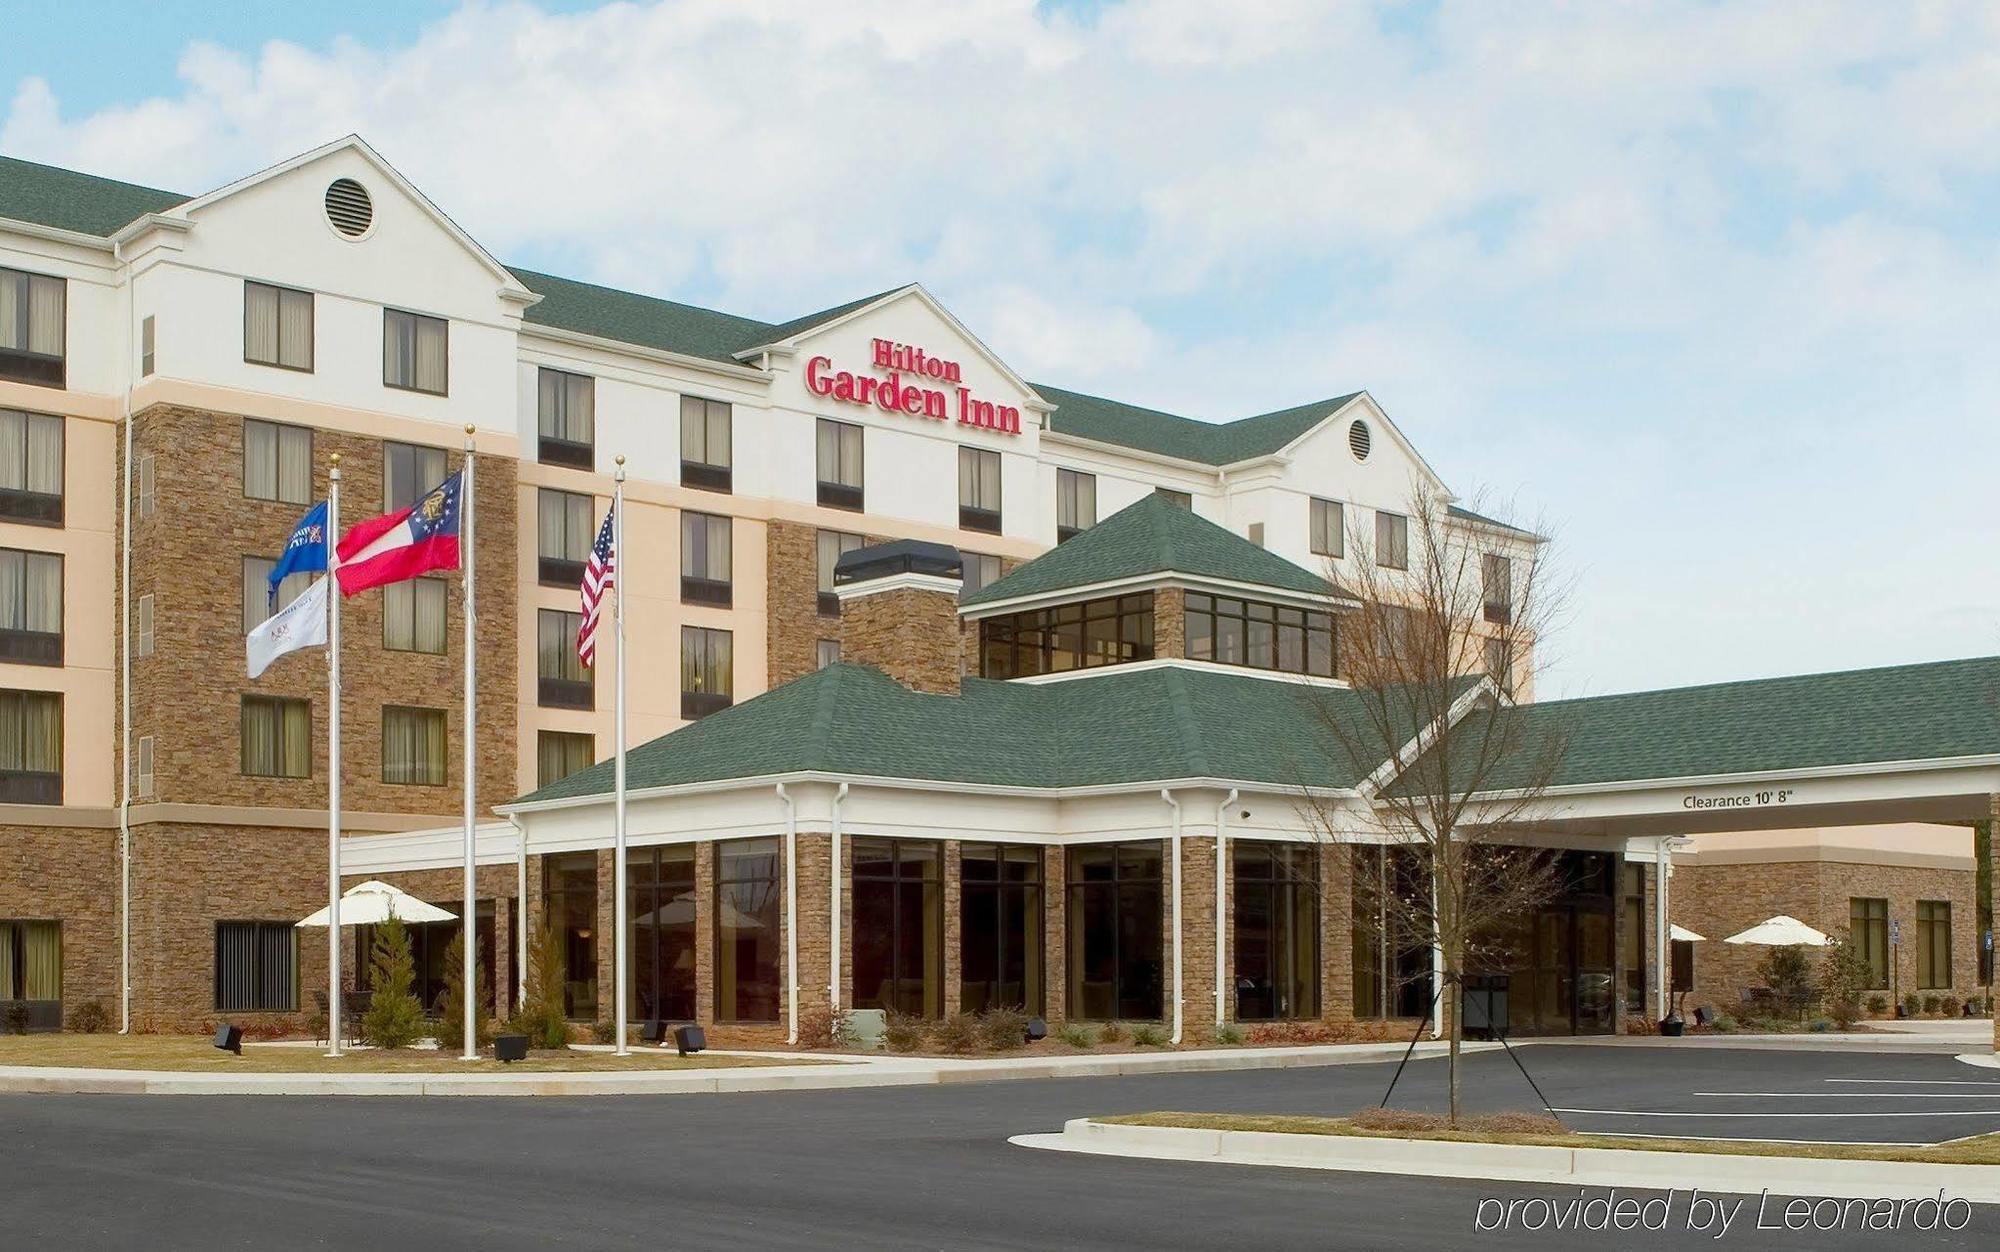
{"type": "Point", "coordinates": [300, 624]}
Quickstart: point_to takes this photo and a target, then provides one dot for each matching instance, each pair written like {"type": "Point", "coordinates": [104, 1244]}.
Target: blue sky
{"type": "Point", "coordinates": [1709, 291]}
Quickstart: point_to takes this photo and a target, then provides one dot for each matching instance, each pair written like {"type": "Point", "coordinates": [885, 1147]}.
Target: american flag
{"type": "Point", "coordinates": [599, 573]}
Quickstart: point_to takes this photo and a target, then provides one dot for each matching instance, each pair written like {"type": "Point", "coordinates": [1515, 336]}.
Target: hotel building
{"type": "Point", "coordinates": [177, 375]}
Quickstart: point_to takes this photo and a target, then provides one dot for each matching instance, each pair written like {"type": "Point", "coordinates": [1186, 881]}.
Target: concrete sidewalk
{"type": "Point", "coordinates": [826, 1071]}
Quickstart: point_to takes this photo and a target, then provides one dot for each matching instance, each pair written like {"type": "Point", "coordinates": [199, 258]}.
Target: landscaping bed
{"type": "Point", "coordinates": [185, 1054]}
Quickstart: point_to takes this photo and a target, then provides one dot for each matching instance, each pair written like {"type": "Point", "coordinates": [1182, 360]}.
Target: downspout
{"type": "Point", "coordinates": [125, 684]}
{"type": "Point", "coordinates": [520, 908]}
{"type": "Point", "coordinates": [1179, 972]}
{"type": "Point", "coordinates": [833, 895]}
{"type": "Point", "coordinates": [791, 908]}
{"type": "Point", "coordinates": [1222, 905]}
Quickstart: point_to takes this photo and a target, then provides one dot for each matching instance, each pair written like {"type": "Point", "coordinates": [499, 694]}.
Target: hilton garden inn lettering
{"type": "Point", "coordinates": [903, 390]}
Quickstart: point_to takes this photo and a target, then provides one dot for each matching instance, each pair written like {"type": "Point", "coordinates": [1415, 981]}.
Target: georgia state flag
{"type": "Point", "coordinates": [403, 544]}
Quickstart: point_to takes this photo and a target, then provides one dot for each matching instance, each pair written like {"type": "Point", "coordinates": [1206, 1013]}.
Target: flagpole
{"type": "Point", "coordinates": [333, 763]}
{"type": "Point", "coordinates": [468, 922]}
{"type": "Point", "coordinates": [618, 743]}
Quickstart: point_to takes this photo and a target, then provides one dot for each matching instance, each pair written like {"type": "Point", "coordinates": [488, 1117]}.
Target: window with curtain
{"type": "Point", "coordinates": [277, 326]}
{"type": "Point", "coordinates": [1392, 541]}
{"type": "Point", "coordinates": [32, 309]}
{"type": "Point", "coordinates": [1496, 581]}
{"type": "Point", "coordinates": [705, 559]}
{"type": "Point", "coordinates": [832, 545]}
{"type": "Point", "coordinates": [837, 453]}
{"type": "Point", "coordinates": [558, 754]}
{"type": "Point", "coordinates": [1933, 944]}
{"type": "Point", "coordinates": [1076, 503]}
{"type": "Point", "coordinates": [1329, 528]}
{"type": "Point", "coordinates": [413, 615]}
{"type": "Point", "coordinates": [277, 737]}
{"type": "Point", "coordinates": [414, 352]}
{"type": "Point", "coordinates": [707, 671]}
{"type": "Point", "coordinates": [31, 747]}
{"type": "Point", "coordinates": [413, 746]}
{"type": "Point", "coordinates": [31, 607]}
{"type": "Point", "coordinates": [563, 681]}
{"type": "Point", "coordinates": [257, 603]}
{"type": "Point", "coordinates": [146, 346]}
{"type": "Point", "coordinates": [748, 894]}
{"type": "Point", "coordinates": [410, 470]}
{"type": "Point", "coordinates": [898, 931]}
{"type": "Point", "coordinates": [31, 467]}
{"type": "Point", "coordinates": [256, 967]}
{"type": "Point", "coordinates": [706, 435]}
{"type": "Point", "coordinates": [1868, 931]}
{"type": "Point", "coordinates": [979, 490]}
{"type": "Point", "coordinates": [277, 462]}
{"type": "Point", "coordinates": [565, 525]}
{"type": "Point", "coordinates": [1252, 633]}
{"type": "Point", "coordinates": [566, 416]}
{"type": "Point", "coordinates": [978, 569]}
{"type": "Point", "coordinates": [31, 966]}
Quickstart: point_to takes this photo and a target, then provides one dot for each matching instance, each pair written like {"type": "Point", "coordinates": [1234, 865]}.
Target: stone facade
{"type": "Point", "coordinates": [910, 634]}
{"type": "Point", "coordinates": [1170, 622]}
{"type": "Point", "coordinates": [792, 622]}
{"type": "Point", "coordinates": [68, 875]}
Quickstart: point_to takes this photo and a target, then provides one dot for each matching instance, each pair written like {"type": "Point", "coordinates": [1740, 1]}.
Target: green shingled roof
{"type": "Point", "coordinates": [67, 200]}
{"type": "Point", "coordinates": [1152, 536]}
{"type": "Point", "coordinates": [1210, 443]}
{"type": "Point", "coordinates": [1115, 726]}
{"type": "Point", "coordinates": [1467, 515]}
{"type": "Point", "coordinates": [647, 321]}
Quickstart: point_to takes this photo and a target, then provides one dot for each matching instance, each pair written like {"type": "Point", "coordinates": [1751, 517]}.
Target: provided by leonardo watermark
{"type": "Point", "coordinates": [1715, 1215]}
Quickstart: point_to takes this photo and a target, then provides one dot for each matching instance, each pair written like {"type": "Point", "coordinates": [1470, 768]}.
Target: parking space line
{"type": "Point", "coordinates": [1852, 1095]}
{"type": "Point", "coordinates": [1919, 1082]}
{"type": "Point", "coordinates": [1788, 1116]}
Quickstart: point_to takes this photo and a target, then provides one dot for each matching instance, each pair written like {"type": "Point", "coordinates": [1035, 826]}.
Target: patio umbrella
{"type": "Point", "coordinates": [1782, 932]}
{"type": "Point", "coordinates": [372, 903]}
{"type": "Point", "coordinates": [1682, 934]}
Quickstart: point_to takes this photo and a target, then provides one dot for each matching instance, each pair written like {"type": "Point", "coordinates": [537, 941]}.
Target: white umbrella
{"type": "Point", "coordinates": [371, 903]}
{"type": "Point", "coordinates": [1782, 932]}
{"type": "Point", "coordinates": [1682, 934]}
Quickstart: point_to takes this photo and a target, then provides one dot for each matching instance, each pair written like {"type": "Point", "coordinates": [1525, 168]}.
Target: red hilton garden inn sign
{"type": "Point", "coordinates": [894, 395]}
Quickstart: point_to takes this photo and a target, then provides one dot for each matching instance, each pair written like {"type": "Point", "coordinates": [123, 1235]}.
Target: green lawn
{"type": "Point", "coordinates": [199, 1055]}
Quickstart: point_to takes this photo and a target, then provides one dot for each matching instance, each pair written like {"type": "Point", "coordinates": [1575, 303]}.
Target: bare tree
{"type": "Point", "coordinates": [1452, 615]}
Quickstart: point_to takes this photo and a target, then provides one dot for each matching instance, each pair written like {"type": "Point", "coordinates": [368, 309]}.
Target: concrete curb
{"type": "Point", "coordinates": [1581, 1167]}
{"type": "Point", "coordinates": [845, 1072]}
{"type": "Point", "coordinates": [1985, 1060]}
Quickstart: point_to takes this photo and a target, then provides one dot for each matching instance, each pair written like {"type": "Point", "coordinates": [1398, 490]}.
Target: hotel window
{"type": "Point", "coordinates": [1868, 931]}
{"type": "Point", "coordinates": [258, 606]}
{"type": "Point", "coordinates": [558, 754]}
{"type": "Point", "coordinates": [277, 737]}
{"type": "Point", "coordinates": [566, 525]}
{"type": "Point", "coordinates": [31, 327]}
{"type": "Point", "coordinates": [977, 569]}
{"type": "Point", "coordinates": [413, 746]}
{"type": "Point", "coordinates": [149, 495]}
{"type": "Point", "coordinates": [898, 930]}
{"type": "Point", "coordinates": [563, 681]}
{"type": "Point", "coordinates": [1392, 541]}
{"type": "Point", "coordinates": [566, 418]}
{"type": "Point", "coordinates": [826, 652]}
{"type": "Point", "coordinates": [1277, 930]}
{"type": "Point", "coordinates": [414, 352]}
{"type": "Point", "coordinates": [1329, 528]}
{"type": "Point", "coordinates": [146, 345]}
{"type": "Point", "coordinates": [31, 607]}
{"type": "Point", "coordinates": [569, 907]}
{"type": "Point", "coordinates": [1067, 636]}
{"type": "Point", "coordinates": [747, 947]}
{"type": "Point", "coordinates": [1182, 499]}
{"type": "Point", "coordinates": [1076, 503]}
{"type": "Point", "coordinates": [409, 471]}
{"type": "Point", "coordinates": [1392, 962]}
{"type": "Point", "coordinates": [705, 559]}
{"type": "Point", "coordinates": [31, 467]}
{"type": "Point", "coordinates": [147, 781]}
{"type": "Point", "coordinates": [1114, 929]}
{"type": "Point", "coordinates": [277, 326]}
{"type": "Point", "coordinates": [31, 743]}
{"type": "Point", "coordinates": [1933, 944]}
{"type": "Point", "coordinates": [660, 886]}
{"type": "Point", "coordinates": [144, 646]}
{"type": "Point", "coordinates": [838, 456]}
{"type": "Point", "coordinates": [706, 456]}
{"type": "Point", "coordinates": [1496, 584]}
{"type": "Point", "coordinates": [413, 615]}
{"type": "Point", "coordinates": [1229, 631]}
{"type": "Point", "coordinates": [31, 971]}
{"type": "Point", "coordinates": [277, 462]}
{"type": "Point", "coordinates": [832, 545]}
{"type": "Point", "coordinates": [256, 967]}
{"type": "Point", "coordinates": [1000, 932]}
{"type": "Point", "coordinates": [979, 490]}
{"type": "Point", "coordinates": [1500, 663]}
{"type": "Point", "coordinates": [706, 671]}
{"type": "Point", "coordinates": [1633, 876]}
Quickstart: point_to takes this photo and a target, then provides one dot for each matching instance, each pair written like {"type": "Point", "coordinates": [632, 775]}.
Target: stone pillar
{"type": "Point", "coordinates": [1055, 911]}
{"type": "Point", "coordinates": [603, 933]}
{"type": "Point", "coordinates": [704, 933]}
{"type": "Point", "coordinates": [1993, 887]}
{"type": "Point", "coordinates": [954, 926]}
{"type": "Point", "coordinates": [1336, 930]}
{"type": "Point", "coordinates": [1169, 622]}
{"type": "Point", "coordinates": [815, 923]}
{"type": "Point", "coordinates": [1197, 936]}
{"type": "Point", "coordinates": [909, 633]}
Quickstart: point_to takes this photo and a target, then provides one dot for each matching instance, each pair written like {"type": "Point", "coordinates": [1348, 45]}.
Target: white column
{"type": "Point", "coordinates": [1663, 954]}
{"type": "Point", "coordinates": [619, 942]}
{"type": "Point", "coordinates": [334, 598]}
{"type": "Point", "coordinates": [469, 920]}
{"type": "Point", "coordinates": [1222, 980]}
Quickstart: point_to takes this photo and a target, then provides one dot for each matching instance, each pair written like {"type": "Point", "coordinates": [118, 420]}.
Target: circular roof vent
{"type": "Point", "coordinates": [1358, 438]}
{"type": "Point", "coordinates": [349, 208]}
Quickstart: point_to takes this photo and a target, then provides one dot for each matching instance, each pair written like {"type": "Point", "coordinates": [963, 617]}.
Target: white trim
{"type": "Point", "coordinates": [660, 356]}
{"type": "Point", "coordinates": [1203, 469]}
{"type": "Point", "coordinates": [906, 580]}
{"type": "Point", "coordinates": [1176, 662]}
{"type": "Point", "coordinates": [1421, 742]}
{"type": "Point", "coordinates": [1378, 414]}
{"type": "Point", "coordinates": [1675, 783]}
{"type": "Point", "coordinates": [1155, 580]}
{"type": "Point", "coordinates": [56, 234]}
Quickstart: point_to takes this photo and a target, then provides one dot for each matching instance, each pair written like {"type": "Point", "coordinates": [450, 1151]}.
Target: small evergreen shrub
{"type": "Point", "coordinates": [394, 1018]}
{"type": "Point", "coordinates": [1878, 1005]}
{"type": "Point", "coordinates": [1149, 1035]}
{"type": "Point", "coordinates": [1723, 1024]}
{"type": "Point", "coordinates": [902, 1032]}
{"type": "Point", "coordinates": [1229, 1034]}
{"type": "Point", "coordinates": [88, 1018]}
{"type": "Point", "coordinates": [1933, 1004]}
{"type": "Point", "coordinates": [1112, 1033]}
{"type": "Point", "coordinates": [1789, 975]}
{"type": "Point", "coordinates": [1076, 1035]}
{"type": "Point", "coordinates": [540, 1015]}
{"type": "Point", "coordinates": [450, 1027]}
{"type": "Point", "coordinates": [14, 1018]}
